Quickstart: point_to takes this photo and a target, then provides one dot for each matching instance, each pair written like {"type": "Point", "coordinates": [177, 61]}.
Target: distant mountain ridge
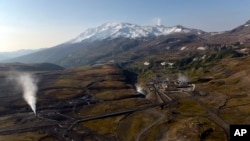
{"type": "Point", "coordinates": [2, 57]}
{"type": "Point", "coordinates": [14, 54]}
{"type": "Point", "coordinates": [127, 30]}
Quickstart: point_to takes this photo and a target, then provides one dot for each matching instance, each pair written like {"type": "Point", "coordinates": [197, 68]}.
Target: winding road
{"type": "Point", "coordinates": [161, 117]}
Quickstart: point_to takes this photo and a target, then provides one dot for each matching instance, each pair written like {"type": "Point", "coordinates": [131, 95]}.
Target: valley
{"type": "Point", "coordinates": [187, 85]}
{"type": "Point", "coordinates": [100, 102]}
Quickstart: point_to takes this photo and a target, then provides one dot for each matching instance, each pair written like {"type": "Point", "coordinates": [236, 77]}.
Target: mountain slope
{"type": "Point", "coordinates": [29, 67]}
{"type": "Point", "coordinates": [105, 41]}
{"type": "Point", "coordinates": [120, 49]}
{"type": "Point", "coordinates": [240, 34]}
{"type": "Point", "coordinates": [124, 42]}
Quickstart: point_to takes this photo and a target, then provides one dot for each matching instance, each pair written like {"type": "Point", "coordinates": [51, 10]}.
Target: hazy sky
{"type": "Point", "coordinates": [30, 24]}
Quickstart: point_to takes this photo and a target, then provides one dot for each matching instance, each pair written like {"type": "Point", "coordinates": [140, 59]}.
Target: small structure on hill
{"type": "Point", "coordinates": [172, 85]}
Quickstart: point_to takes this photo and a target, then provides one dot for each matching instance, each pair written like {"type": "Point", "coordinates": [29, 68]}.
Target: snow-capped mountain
{"type": "Point", "coordinates": [127, 30]}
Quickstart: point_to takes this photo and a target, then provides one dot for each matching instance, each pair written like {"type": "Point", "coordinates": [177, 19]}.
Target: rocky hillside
{"type": "Point", "coordinates": [101, 103]}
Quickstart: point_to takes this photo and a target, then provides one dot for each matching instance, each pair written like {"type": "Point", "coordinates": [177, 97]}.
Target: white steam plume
{"type": "Point", "coordinates": [28, 83]}
{"type": "Point", "coordinates": [182, 78]}
{"type": "Point", "coordinates": [139, 89]}
{"type": "Point", "coordinates": [158, 21]}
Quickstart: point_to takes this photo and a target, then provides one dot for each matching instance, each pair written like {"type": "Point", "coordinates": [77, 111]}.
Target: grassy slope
{"type": "Point", "coordinates": [228, 90]}
{"type": "Point", "coordinates": [106, 84]}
